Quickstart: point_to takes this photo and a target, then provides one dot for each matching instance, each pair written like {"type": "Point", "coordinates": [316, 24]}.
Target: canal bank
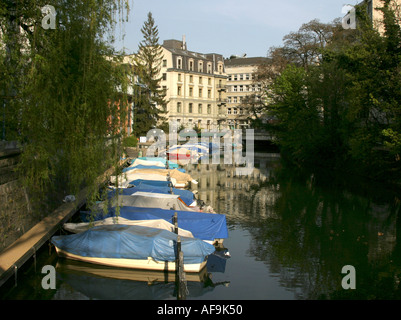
{"type": "Point", "coordinates": [13, 257]}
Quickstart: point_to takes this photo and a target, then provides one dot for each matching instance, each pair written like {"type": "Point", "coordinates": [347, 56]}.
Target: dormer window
{"type": "Point", "coordinates": [179, 63]}
{"type": "Point", "coordinates": [200, 66]}
{"type": "Point", "coordinates": [191, 65]}
{"type": "Point", "coordinates": [220, 67]}
{"type": "Point", "coordinates": [209, 67]}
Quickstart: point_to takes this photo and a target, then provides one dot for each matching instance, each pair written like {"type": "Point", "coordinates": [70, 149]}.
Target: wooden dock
{"type": "Point", "coordinates": [15, 255]}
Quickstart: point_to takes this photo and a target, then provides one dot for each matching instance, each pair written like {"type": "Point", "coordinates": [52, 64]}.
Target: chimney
{"type": "Point", "coordinates": [184, 44]}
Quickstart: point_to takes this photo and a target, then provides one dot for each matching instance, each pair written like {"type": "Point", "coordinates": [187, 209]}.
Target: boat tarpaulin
{"type": "Point", "coordinates": [205, 226]}
{"type": "Point", "coordinates": [159, 224]}
{"type": "Point", "coordinates": [186, 195]}
{"type": "Point", "coordinates": [132, 242]}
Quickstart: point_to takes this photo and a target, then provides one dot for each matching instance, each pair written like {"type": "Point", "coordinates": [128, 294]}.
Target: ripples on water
{"type": "Point", "coordinates": [290, 234]}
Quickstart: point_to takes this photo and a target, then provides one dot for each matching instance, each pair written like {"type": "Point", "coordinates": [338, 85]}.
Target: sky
{"type": "Point", "coordinates": [227, 27]}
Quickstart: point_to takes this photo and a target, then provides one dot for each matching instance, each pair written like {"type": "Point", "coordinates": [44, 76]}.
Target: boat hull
{"type": "Point", "coordinates": [142, 264]}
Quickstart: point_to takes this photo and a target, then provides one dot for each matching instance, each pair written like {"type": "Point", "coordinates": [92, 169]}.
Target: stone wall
{"type": "Point", "coordinates": [15, 217]}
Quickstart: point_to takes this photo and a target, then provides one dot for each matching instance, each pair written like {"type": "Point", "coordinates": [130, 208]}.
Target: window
{"type": "Point", "coordinates": [235, 88]}
{"type": "Point", "coordinates": [200, 80]}
{"type": "Point", "coordinates": [191, 79]}
{"type": "Point", "coordinates": [178, 90]}
{"type": "Point", "coordinates": [209, 93]}
{"type": "Point", "coordinates": [229, 78]}
{"type": "Point", "coordinates": [235, 110]}
{"type": "Point", "coordinates": [179, 77]}
{"type": "Point", "coordinates": [190, 108]}
{"type": "Point", "coordinates": [209, 81]}
{"type": "Point", "coordinates": [200, 92]}
{"type": "Point", "coordinates": [179, 63]}
{"type": "Point", "coordinates": [228, 110]}
{"type": "Point", "coordinates": [191, 65]}
{"type": "Point", "coordinates": [178, 107]}
{"type": "Point", "coordinates": [209, 68]}
{"type": "Point", "coordinates": [164, 63]}
{"type": "Point", "coordinates": [241, 76]}
{"type": "Point", "coordinates": [235, 100]}
{"type": "Point", "coordinates": [164, 76]}
{"type": "Point", "coordinates": [200, 108]}
{"type": "Point", "coordinates": [247, 77]}
{"type": "Point", "coordinates": [235, 77]}
{"type": "Point", "coordinates": [200, 66]}
{"type": "Point", "coordinates": [220, 68]}
{"type": "Point", "coordinates": [209, 109]}
{"type": "Point", "coordinates": [191, 91]}
{"type": "Point", "coordinates": [241, 88]}
{"type": "Point", "coordinates": [229, 99]}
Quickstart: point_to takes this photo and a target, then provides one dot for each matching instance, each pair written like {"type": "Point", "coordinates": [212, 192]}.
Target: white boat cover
{"type": "Point", "coordinates": [138, 162]}
{"type": "Point", "coordinates": [156, 223]}
{"type": "Point", "coordinates": [156, 200]}
{"type": "Point", "coordinates": [147, 200]}
{"type": "Point", "coordinates": [179, 176]}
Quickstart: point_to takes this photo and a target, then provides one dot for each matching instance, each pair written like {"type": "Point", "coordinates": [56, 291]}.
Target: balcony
{"type": "Point", "coordinates": [221, 101]}
{"type": "Point", "coordinates": [221, 87]}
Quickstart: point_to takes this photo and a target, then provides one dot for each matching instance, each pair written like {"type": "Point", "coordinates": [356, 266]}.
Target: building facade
{"type": "Point", "coordinates": [377, 16]}
{"type": "Point", "coordinates": [195, 87]}
{"type": "Point", "coordinates": [240, 84]}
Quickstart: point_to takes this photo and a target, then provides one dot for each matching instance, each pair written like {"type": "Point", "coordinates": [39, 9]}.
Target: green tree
{"type": "Point", "coordinates": [151, 104]}
{"type": "Point", "coordinates": [66, 103]}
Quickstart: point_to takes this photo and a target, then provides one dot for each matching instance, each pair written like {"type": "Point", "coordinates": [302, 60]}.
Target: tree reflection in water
{"type": "Point", "coordinates": [306, 227]}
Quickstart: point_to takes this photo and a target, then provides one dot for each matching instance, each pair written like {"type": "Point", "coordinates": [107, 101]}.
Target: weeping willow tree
{"type": "Point", "coordinates": [65, 92]}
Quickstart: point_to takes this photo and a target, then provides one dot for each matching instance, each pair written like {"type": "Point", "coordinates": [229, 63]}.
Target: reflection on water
{"type": "Point", "coordinates": [290, 234]}
{"type": "Point", "coordinates": [305, 227]}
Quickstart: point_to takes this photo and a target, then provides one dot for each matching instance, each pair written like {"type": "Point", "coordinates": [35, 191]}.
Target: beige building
{"type": "Point", "coordinates": [195, 86]}
{"type": "Point", "coordinates": [240, 83]}
{"type": "Point", "coordinates": [377, 16]}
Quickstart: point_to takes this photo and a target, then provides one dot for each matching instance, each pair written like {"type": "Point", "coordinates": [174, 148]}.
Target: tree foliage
{"type": "Point", "coordinates": [65, 97]}
{"type": "Point", "coordinates": [336, 95]}
{"type": "Point", "coordinates": [151, 102]}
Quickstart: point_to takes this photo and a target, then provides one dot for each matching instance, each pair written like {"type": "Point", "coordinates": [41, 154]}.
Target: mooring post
{"type": "Point", "coordinates": [181, 279]}
{"type": "Point", "coordinates": [175, 220]}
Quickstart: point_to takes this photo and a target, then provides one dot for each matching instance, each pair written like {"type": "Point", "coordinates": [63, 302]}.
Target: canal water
{"type": "Point", "coordinates": [290, 235]}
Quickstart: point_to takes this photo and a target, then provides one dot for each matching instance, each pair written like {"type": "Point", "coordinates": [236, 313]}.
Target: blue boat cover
{"type": "Point", "coordinates": [132, 242]}
{"type": "Point", "coordinates": [160, 183]}
{"type": "Point", "coordinates": [186, 195]}
{"type": "Point", "coordinates": [205, 226]}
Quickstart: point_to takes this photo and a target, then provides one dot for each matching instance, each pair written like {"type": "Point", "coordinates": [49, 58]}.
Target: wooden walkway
{"type": "Point", "coordinates": [15, 255]}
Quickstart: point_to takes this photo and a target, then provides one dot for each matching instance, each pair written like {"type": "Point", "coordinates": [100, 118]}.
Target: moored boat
{"type": "Point", "coordinates": [133, 247]}
{"type": "Point", "coordinates": [211, 227]}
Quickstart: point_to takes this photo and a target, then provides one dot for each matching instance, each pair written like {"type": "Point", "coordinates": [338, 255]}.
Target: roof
{"type": "Point", "coordinates": [234, 62]}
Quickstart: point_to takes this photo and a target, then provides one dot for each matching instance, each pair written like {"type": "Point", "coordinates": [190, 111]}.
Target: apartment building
{"type": "Point", "coordinates": [195, 86]}
{"type": "Point", "coordinates": [377, 16]}
{"type": "Point", "coordinates": [241, 83]}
